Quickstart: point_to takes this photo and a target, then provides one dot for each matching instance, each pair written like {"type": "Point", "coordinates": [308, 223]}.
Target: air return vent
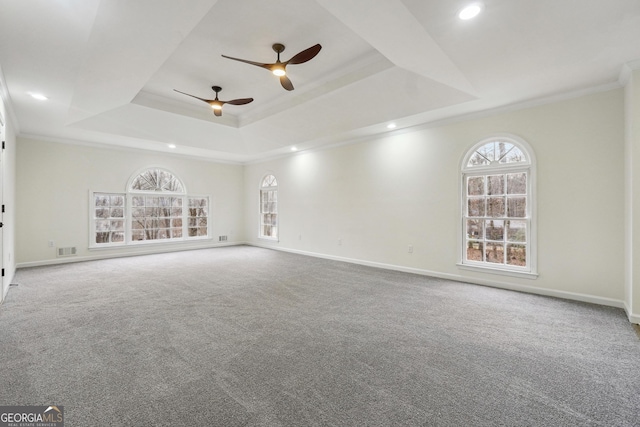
{"type": "Point", "coordinates": [70, 251]}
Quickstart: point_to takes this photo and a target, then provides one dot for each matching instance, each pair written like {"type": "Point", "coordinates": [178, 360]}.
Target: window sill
{"type": "Point", "coordinates": [269, 239]}
{"type": "Point", "coordinates": [151, 243]}
{"type": "Point", "coordinates": [501, 272]}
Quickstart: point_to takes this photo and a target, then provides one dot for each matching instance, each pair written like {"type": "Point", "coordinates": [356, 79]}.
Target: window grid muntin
{"type": "Point", "coordinates": [523, 162]}
{"type": "Point", "coordinates": [268, 208]}
{"type": "Point", "coordinates": [504, 245]}
{"type": "Point", "coordinates": [197, 217]}
{"type": "Point", "coordinates": [170, 221]}
{"type": "Point", "coordinates": [109, 218]}
{"type": "Point", "coordinates": [184, 217]}
{"type": "Point", "coordinates": [154, 217]}
{"type": "Point", "coordinates": [156, 179]}
{"type": "Point", "coordinates": [484, 155]}
{"type": "Point", "coordinates": [269, 181]}
{"type": "Point", "coordinates": [269, 213]}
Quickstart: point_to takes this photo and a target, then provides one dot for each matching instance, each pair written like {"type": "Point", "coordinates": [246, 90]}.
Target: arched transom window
{"type": "Point", "coordinates": [157, 180]}
{"type": "Point", "coordinates": [498, 206]}
{"type": "Point", "coordinates": [154, 208]}
{"type": "Point", "coordinates": [268, 208]}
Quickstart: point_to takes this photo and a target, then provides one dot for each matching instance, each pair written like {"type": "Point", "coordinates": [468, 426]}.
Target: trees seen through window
{"type": "Point", "coordinates": [497, 214]}
{"type": "Point", "coordinates": [155, 207]}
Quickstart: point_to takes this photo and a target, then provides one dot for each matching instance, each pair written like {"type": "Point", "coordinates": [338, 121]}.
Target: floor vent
{"type": "Point", "coordinates": [222, 238]}
{"type": "Point", "coordinates": [70, 251]}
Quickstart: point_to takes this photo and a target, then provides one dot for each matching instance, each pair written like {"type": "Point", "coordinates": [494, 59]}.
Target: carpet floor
{"type": "Point", "coordinates": [245, 336]}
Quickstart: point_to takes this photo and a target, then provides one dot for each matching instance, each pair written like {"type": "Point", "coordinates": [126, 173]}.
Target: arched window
{"type": "Point", "coordinates": [156, 179]}
{"type": "Point", "coordinates": [155, 207]}
{"type": "Point", "coordinates": [498, 224]}
{"type": "Point", "coordinates": [269, 208]}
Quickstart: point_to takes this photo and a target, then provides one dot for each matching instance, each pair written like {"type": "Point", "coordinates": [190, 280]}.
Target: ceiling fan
{"type": "Point", "coordinates": [279, 68]}
{"type": "Point", "coordinates": [216, 104]}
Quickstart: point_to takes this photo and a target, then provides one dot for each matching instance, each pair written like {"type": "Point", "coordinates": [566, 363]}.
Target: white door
{"type": "Point", "coordinates": [3, 282]}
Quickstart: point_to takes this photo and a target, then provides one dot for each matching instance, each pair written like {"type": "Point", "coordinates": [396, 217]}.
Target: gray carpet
{"type": "Point", "coordinates": [244, 336]}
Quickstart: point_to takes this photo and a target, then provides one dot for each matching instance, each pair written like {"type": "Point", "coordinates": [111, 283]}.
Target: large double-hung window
{"type": "Point", "coordinates": [155, 208]}
{"type": "Point", "coordinates": [498, 224]}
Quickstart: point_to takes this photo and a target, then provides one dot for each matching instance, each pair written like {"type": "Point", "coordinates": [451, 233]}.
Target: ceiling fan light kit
{"type": "Point", "coordinates": [278, 68]}
{"type": "Point", "coordinates": [217, 104]}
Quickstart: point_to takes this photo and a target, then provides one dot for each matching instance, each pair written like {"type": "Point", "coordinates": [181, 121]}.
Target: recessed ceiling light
{"type": "Point", "coordinates": [171, 145]}
{"type": "Point", "coordinates": [471, 11]}
{"type": "Point", "coordinates": [38, 96]}
{"type": "Point", "coordinates": [294, 148]}
{"type": "Point", "coordinates": [391, 126]}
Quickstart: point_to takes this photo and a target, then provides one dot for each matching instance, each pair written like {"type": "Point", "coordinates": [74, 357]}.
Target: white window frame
{"type": "Point", "coordinates": [208, 217]}
{"type": "Point", "coordinates": [528, 167]}
{"type": "Point", "coordinates": [261, 224]}
{"type": "Point", "coordinates": [129, 194]}
{"type": "Point", "coordinates": [185, 217]}
{"type": "Point", "coordinates": [92, 219]}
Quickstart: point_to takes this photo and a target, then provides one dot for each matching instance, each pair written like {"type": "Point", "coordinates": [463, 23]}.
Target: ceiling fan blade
{"type": "Point", "coordinates": [218, 113]}
{"type": "Point", "coordinates": [286, 83]}
{"type": "Point", "coordinates": [208, 101]}
{"type": "Point", "coordinates": [305, 55]}
{"type": "Point", "coordinates": [240, 101]}
{"type": "Point", "coordinates": [257, 64]}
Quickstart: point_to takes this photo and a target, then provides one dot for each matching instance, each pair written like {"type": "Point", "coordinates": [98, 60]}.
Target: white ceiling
{"type": "Point", "coordinates": [109, 67]}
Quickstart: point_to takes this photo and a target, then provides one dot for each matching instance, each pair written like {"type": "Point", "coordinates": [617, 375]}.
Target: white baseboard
{"type": "Point", "coordinates": [4, 286]}
{"type": "Point", "coordinates": [99, 256]}
{"type": "Point", "coordinates": [459, 278]}
{"type": "Point", "coordinates": [633, 318]}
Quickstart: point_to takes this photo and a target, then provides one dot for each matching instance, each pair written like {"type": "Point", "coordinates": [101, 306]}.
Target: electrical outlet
{"type": "Point", "coordinates": [339, 242]}
{"type": "Point", "coordinates": [410, 250]}
{"type": "Point", "coordinates": [51, 243]}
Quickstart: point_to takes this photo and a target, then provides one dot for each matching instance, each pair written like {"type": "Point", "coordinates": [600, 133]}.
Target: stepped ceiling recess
{"type": "Point", "coordinates": [109, 67]}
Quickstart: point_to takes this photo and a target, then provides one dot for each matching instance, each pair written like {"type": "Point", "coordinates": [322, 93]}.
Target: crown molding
{"type": "Point", "coordinates": [8, 105]}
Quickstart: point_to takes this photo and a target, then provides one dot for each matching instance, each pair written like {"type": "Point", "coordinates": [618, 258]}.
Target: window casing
{"type": "Point", "coordinates": [156, 217]}
{"type": "Point", "coordinates": [498, 207]}
{"type": "Point", "coordinates": [108, 218]}
{"type": "Point", "coordinates": [268, 208]}
{"type": "Point", "coordinates": [155, 208]}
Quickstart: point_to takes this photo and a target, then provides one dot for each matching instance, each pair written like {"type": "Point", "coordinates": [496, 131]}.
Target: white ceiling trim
{"type": "Point", "coordinates": [151, 100]}
{"type": "Point", "coordinates": [396, 33]}
{"type": "Point", "coordinates": [119, 63]}
{"type": "Point", "coordinates": [189, 153]}
{"type": "Point", "coordinates": [627, 70]}
{"type": "Point", "coordinates": [357, 70]}
{"type": "Point", "coordinates": [8, 105]}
